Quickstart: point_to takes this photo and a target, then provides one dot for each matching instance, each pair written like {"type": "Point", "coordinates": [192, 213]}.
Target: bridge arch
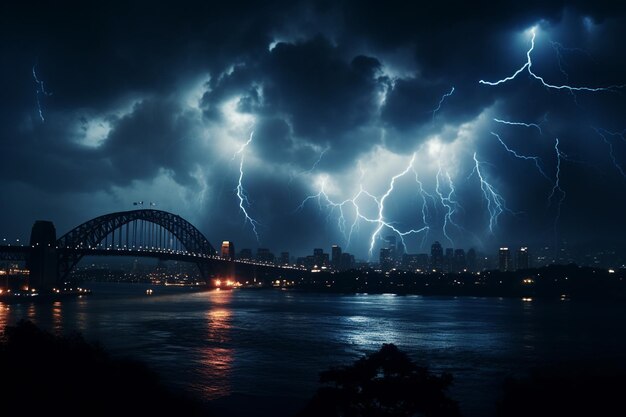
{"type": "Point", "coordinates": [92, 232]}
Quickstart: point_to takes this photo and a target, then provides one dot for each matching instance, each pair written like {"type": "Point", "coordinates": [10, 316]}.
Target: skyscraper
{"type": "Point", "coordinates": [385, 260]}
{"type": "Point", "coordinates": [523, 258]}
{"type": "Point", "coordinates": [228, 250]}
{"type": "Point", "coordinates": [392, 246]}
{"type": "Point", "coordinates": [504, 260]}
{"type": "Point", "coordinates": [436, 256]}
{"type": "Point", "coordinates": [472, 265]}
{"type": "Point", "coordinates": [347, 261]}
{"type": "Point", "coordinates": [284, 258]}
{"type": "Point", "coordinates": [318, 256]}
{"type": "Point", "coordinates": [459, 260]}
{"type": "Point", "coordinates": [448, 260]}
{"type": "Point", "coordinates": [336, 257]}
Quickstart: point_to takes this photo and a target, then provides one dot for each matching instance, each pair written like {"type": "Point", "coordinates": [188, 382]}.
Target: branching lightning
{"type": "Point", "coordinates": [443, 98]}
{"type": "Point", "coordinates": [381, 207]}
{"type": "Point", "coordinates": [536, 126]}
{"type": "Point", "coordinates": [603, 133]}
{"type": "Point", "coordinates": [40, 90]}
{"type": "Point", "coordinates": [380, 221]}
{"type": "Point", "coordinates": [241, 192]}
{"type": "Point", "coordinates": [316, 163]}
{"type": "Point", "coordinates": [425, 212]}
{"type": "Point", "coordinates": [310, 170]}
{"type": "Point", "coordinates": [535, 159]}
{"type": "Point", "coordinates": [528, 66]}
{"type": "Point", "coordinates": [496, 204]}
{"type": "Point", "coordinates": [557, 183]}
{"type": "Point", "coordinates": [558, 49]}
{"type": "Point", "coordinates": [447, 201]}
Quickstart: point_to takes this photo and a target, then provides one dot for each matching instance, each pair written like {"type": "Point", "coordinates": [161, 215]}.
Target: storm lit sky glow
{"type": "Point", "coordinates": [294, 125]}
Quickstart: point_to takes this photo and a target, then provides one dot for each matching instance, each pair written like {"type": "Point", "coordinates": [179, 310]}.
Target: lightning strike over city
{"type": "Point", "coordinates": [235, 208]}
{"type": "Point", "coordinates": [241, 192]}
{"type": "Point", "coordinates": [496, 204]}
{"type": "Point", "coordinates": [557, 191]}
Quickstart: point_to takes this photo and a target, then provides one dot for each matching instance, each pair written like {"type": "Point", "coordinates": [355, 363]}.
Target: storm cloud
{"type": "Point", "coordinates": [155, 102]}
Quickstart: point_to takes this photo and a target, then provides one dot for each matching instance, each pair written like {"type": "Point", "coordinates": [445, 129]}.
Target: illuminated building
{"type": "Point", "coordinates": [436, 256]}
{"type": "Point", "coordinates": [320, 258]}
{"type": "Point", "coordinates": [523, 258]}
{"type": "Point", "coordinates": [393, 248]}
{"type": "Point", "coordinates": [347, 261]}
{"type": "Point", "coordinates": [504, 260]}
{"type": "Point", "coordinates": [228, 250]}
{"type": "Point", "coordinates": [459, 261]}
{"type": "Point", "coordinates": [385, 260]}
{"type": "Point", "coordinates": [415, 262]}
{"type": "Point", "coordinates": [336, 257]}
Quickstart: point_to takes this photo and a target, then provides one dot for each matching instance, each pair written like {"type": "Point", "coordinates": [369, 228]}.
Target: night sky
{"type": "Point", "coordinates": [373, 110]}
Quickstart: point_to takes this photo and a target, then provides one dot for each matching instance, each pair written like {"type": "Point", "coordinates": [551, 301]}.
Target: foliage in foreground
{"type": "Point", "coordinates": [386, 383]}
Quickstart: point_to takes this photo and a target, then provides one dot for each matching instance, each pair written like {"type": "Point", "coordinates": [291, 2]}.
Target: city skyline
{"type": "Point", "coordinates": [314, 123]}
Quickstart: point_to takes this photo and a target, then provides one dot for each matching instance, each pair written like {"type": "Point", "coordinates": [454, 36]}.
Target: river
{"type": "Point", "coordinates": [266, 347]}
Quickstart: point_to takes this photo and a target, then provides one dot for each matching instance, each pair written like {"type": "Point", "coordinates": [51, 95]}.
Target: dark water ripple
{"type": "Point", "coordinates": [271, 343]}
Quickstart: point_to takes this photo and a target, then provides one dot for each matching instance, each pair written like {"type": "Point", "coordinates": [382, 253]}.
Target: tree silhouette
{"type": "Point", "coordinates": [386, 383]}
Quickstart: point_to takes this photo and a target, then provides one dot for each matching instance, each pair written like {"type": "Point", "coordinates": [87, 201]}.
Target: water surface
{"type": "Point", "coordinates": [272, 344]}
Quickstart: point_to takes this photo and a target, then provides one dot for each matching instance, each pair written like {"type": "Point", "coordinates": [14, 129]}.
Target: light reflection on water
{"type": "Point", "coordinates": [216, 357]}
{"type": "Point", "coordinates": [4, 315]}
{"type": "Point", "coordinates": [266, 342]}
{"type": "Point", "coordinates": [57, 317]}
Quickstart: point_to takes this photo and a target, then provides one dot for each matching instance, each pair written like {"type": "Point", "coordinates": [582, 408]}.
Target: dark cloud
{"type": "Point", "coordinates": [156, 135]}
{"type": "Point", "coordinates": [159, 97]}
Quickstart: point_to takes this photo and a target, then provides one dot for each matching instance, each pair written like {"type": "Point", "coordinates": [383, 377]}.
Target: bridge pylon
{"type": "Point", "coordinates": [43, 258]}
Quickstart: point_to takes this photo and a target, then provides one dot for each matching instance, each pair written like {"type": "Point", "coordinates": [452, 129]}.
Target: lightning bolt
{"type": "Point", "coordinates": [557, 183]}
{"type": "Point", "coordinates": [310, 170]}
{"type": "Point", "coordinates": [603, 133]}
{"type": "Point", "coordinates": [535, 159]}
{"type": "Point", "coordinates": [319, 159]}
{"type": "Point", "coordinates": [558, 49]}
{"type": "Point", "coordinates": [528, 67]}
{"type": "Point", "coordinates": [443, 98]}
{"type": "Point", "coordinates": [496, 204]}
{"type": "Point", "coordinates": [316, 163]}
{"type": "Point", "coordinates": [39, 91]}
{"type": "Point", "coordinates": [380, 221]}
{"type": "Point", "coordinates": [446, 201]}
{"type": "Point", "coordinates": [333, 206]}
{"type": "Point", "coordinates": [381, 207]}
{"type": "Point", "coordinates": [241, 192]}
{"type": "Point", "coordinates": [536, 126]}
{"type": "Point", "coordinates": [425, 212]}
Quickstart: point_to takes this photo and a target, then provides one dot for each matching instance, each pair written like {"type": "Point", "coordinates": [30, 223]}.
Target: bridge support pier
{"type": "Point", "coordinates": [43, 258]}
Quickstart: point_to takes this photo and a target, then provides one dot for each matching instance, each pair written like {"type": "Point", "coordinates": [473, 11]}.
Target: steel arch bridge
{"type": "Point", "coordinates": [144, 228]}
